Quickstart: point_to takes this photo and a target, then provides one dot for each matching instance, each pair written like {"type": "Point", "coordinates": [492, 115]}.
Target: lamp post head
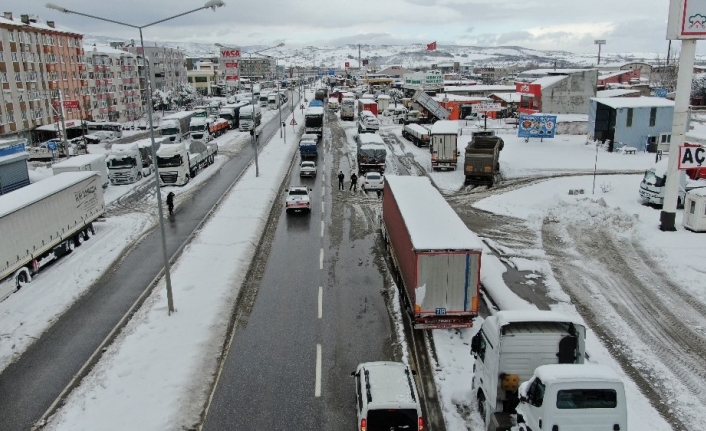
{"type": "Point", "coordinates": [214, 4]}
{"type": "Point", "coordinates": [56, 7]}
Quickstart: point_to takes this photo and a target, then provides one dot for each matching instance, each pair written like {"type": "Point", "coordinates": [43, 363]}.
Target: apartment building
{"type": "Point", "coordinates": [167, 67]}
{"type": "Point", "coordinates": [39, 64]}
{"type": "Point", "coordinates": [256, 66]}
{"type": "Point", "coordinates": [203, 76]}
{"type": "Point", "coordinates": [113, 84]}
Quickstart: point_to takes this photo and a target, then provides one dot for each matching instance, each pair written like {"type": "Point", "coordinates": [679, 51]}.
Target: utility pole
{"type": "Point", "coordinates": [360, 65]}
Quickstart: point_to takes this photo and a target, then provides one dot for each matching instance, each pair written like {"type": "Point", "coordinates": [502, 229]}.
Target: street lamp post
{"type": "Point", "coordinates": [211, 4]}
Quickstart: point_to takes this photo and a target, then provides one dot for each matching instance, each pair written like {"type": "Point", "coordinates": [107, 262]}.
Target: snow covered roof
{"type": "Point", "coordinates": [383, 96]}
{"type": "Point", "coordinates": [432, 224]}
{"type": "Point", "coordinates": [634, 102]}
{"type": "Point", "coordinates": [478, 88]}
{"type": "Point", "coordinates": [518, 316]}
{"type": "Point", "coordinates": [508, 97]}
{"type": "Point", "coordinates": [576, 372]}
{"type": "Point", "coordinates": [700, 192]}
{"type": "Point", "coordinates": [548, 81]}
{"type": "Point", "coordinates": [444, 127]}
{"type": "Point", "coordinates": [618, 92]}
{"type": "Point", "coordinates": [370, 138]}
{"type": "Point", "coordinates": [106, 49]}
{"type": "Point", "coordinates": [315, 110]}
{"type": "Point", "coordinates": [614, 74]}
{"type": "Point", "coordinates": [418, 128]}
{"type": "Point", "coordinates": [457, 98]}
{"type": "Point", "coordinates": [40, 25]}
{"type": "Point", "coordinates": [32, 193]}
{"type": "Point", "coordinates": [78, 161]}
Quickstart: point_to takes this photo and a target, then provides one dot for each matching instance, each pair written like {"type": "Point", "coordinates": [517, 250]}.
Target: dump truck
{"type": "Point", "coordinates": [436, 259]}
{"type": "Point", "coordinates": [44, 221]}
{"type": "Point", "coordinates": [430, 105]}
{"type": "Point", "coordinates": [482, 160]}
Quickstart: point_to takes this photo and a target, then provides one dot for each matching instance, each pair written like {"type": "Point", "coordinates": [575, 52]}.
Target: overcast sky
{"type": "Point", "coordinates": [627, 25]}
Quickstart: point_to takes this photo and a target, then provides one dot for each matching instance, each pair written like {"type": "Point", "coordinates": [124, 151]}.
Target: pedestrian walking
{"type": "Point", "coordinates": [341, 177]}
{"type": "Point", "coordinates": [354, 183]}
{"type": "Point", "coordinates": [170, 202]}
{"type": "Point", "coordinates": [379, 193]}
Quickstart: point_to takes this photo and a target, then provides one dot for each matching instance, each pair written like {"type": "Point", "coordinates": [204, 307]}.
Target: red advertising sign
{"type": "Point", "coordinates": [232, 77]}
{"type": "Point", "coordinates": [232, 65]}
{"type": "Point", "coordinates": [230, 53]}
{"type": "Point", "coordinates": [68, 104]}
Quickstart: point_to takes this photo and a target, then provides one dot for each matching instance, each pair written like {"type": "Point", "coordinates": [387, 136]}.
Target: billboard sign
{"type": "Point", "coordinates": [537, 126]}
{"type": "Point", "coordinates": [68, 104]}
{"type": "Point", "coordinates": [687, 19]}
{"type": "Point", "coordinates": [486, 107]}
{"type": "Point", "coordinates": [660, 92]}
{"type": "Point", "coordinates": [599, 42]}
{"type": "Point", "coordinates": [691, 156]}
{"type": "Point", "coordinates": [229, 65]}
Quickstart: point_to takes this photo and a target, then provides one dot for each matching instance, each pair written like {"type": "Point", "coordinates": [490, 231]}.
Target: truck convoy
{"type": "Point", "coordinates": [124, 164]}
{"type": "Point", "coordinates": [250, 117]}
{"type": "Point", "coordinates": [231, 113]}
{"type": "Point", "coordinates": [207, 128]}
{"type": "Point", "coordinates": [482, 160]}
{"type": "Point", "coordinates": [308, 146]}
{"type": "Point", "coordinates": [176, 126]}
{"type": "Point", "coordinates": [84, 163]}
{"type": "Point", "coordinates": [419, 135]}
{"type": "Point", "coordinates": [43, 221]}
{"type": "Point", "coordinates": [348, 109]}
{"type": "Point", "coordinates": [371, 154]}
{"type": "Point", "coordinates": [178, 163]}
{"type": "Point", "coordinates": [314, 120]}
{"type": "Point", "coordinates": [512, 346]}
{"type": "Point", "coordinates": [443, 147]}
{"type": "Point", "coordinates": [437, 270]}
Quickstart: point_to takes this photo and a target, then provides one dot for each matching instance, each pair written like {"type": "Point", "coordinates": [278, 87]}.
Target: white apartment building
{"type": "Point", "coordinates": [167, 67]}
{"type": "Point", "coordinates": [113, 84]}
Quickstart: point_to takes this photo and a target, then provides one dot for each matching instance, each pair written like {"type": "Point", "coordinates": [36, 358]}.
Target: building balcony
{"type": "Point", "coordinates": [53, 85]}
{"type": "Point", "coordinates": [86, 97]}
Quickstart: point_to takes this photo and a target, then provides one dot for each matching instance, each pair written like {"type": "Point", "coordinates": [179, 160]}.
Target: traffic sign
{"type": "Point", "coordinates": [348, 65]}
{"type": "Point", "coordinates": [51, 145]}
{"type": "Point", "coordinates": [293, 122]}
{"type": "Point", "coordinates": [302, 106]}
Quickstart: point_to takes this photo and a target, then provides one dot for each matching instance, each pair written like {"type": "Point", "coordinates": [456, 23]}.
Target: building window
{"type": "Point", "coordinates": [11, 35]}
{"type": "Point", "coordinates": [653, 117]}
{"type": "Point", "coordinates": [65, 76]}
{"type": "Point", "coordinates": [629, 119]}
{"type": "Point", "coordinates": [2, 56]}
{"type": "Point", "coordinates": [17, 77]}
{"type": "Point", "coordinates": [10, 117]}
{"type": "Point", "coordinates": [14, 56]}
{"type": "Point", "coordinates": [3, 77]}
{"type": "Point", "coordinates": [24, 115]}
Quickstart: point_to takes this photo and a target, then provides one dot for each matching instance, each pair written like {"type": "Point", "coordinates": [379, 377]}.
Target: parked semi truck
{"type": "Point", "coordinates": [367, 105]}
{"type": "Point", "coordinates": [124, 164]}
{"type": "Point", "coordinates": [419, 135]}
{"type": "Point", "coordinates": [84, 163]}
{"type": "Point", "coordinates": [509, 347]}
{"type": "Point", "coordinates": [43, 221]}
{"type": "Point", "coordinates": [348, 109]}
{"type": "Point", "coordinates": [231, 113]}
{"type": "Point", "coordinates": [249, 117]}
{"type": "Point", "coordinates": [145, 148]}
{"type": "Point", "coordinates": [443, 146]}
{"type": "Point", "coordinates": [308, 146]}
{"type": "Point", "coordinates": [436, 259]}
{"type": "Point", "coordinates": [178, 163]}
{"type": "Point", "coordinates": [371, 154]}
{"type": "Point", "coordinates": [207, 128]}
{"type": "Point", "coordinates": [314, 120]}
{"type": "Point", "coordinates": [176, 126]}
{"type": "Point", "coordinates": [482, 160]}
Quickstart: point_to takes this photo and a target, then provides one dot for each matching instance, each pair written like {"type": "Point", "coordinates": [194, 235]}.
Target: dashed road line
{"type": "Point", "coordinates": [321, 301]}
{"type": "Point", "coordinates": [321, 259]}
{"type": "Point", "coordinates": [317, 385]}
{"type": "Point", "coordinates": [322, 228]}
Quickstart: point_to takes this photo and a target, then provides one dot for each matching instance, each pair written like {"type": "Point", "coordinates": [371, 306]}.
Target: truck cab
{"type": "Point", "coordinates": [170, 130]}
{"type": "Point", "coordinates": [508, 349]}
{"type": "Point", "coordinates": [124, 164]}
{"type": "Point", "coordinates": [199, 128]}
{"type": "Point", "coordinates": [562, 396]}
{"type": "Point", "coordinates": [249, 117]}
{"type": "Point", "coordinates": [654, 183]}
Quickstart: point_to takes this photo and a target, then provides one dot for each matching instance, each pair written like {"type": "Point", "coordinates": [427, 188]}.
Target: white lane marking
{"type": "Point", "coordinates": [317, 385]}
{"type": "Point", "coordinates": [323, 191]}
{"type": "Point", "coordinates": [322, 228]}
{"type": "Point", "coordinates": [321, 259]}
{"type": "Point", "coordinates": [322, 208]}
{"type": "Point", "coordinates": [321, 301]}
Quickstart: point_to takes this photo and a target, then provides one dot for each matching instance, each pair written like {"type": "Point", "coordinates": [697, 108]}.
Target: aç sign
{"type": "Point", "coordinates": [230, 53]}
{"type": "Point", "coordinates": [691, 157]}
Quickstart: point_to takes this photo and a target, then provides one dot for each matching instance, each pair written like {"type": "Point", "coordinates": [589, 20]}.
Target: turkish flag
{"type": "Point", "coordinates": [431, 46]}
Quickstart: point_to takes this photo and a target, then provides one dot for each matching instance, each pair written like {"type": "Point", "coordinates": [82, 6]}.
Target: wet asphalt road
{"type": "Point", "coordinates": [269, 378]}
{"type": "Point", "coordinates": [30, 385]}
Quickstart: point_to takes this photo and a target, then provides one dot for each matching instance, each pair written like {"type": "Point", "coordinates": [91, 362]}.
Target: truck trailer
{"type": "Point", "coordinates": [178, 163]}
{"type": "Point", "coordinates": [436, 259]}
{"type": "Point", "coordinates": [85, 162]}
{"type": "Point", "coordinates": [176, 126]}
{"type": "Point", "coordinates": [372, 153]}
{"type": "Point", "coordinates": [314, 120]}
{"type": "Point", "coordinates": [419, 135]}
{"type": "Point", "coordinates": [443, 146]}
{"type": "Point", "coordinates": [45, 220]}
{"type": "Point", "coordinates": [482, 160]}
{"type": "Point", "coordinates": [348, 109]}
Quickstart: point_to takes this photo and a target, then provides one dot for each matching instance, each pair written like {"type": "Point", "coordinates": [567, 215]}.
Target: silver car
{"type": "Point", "coordinates": [372, 181]}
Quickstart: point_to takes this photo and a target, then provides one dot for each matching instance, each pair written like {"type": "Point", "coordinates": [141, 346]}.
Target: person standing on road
{"type": "Point", "coordinates": [354, 183]}
{"type": "Point", "coordinates": [341, 177]}
{"type": "Point", "coordinates": [170, 202]}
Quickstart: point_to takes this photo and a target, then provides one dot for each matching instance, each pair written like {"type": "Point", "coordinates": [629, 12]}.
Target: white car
{"type": "Point", "coordinates": [307, 169]}
{"type": "Point", "coordinates": [372, 181]}
{"type": "Point", "coordinates": [298, 199]}
{"type": "Point", "coordinates": [104, 135]}
{"type": "Point", "coordinates": [368, 123]}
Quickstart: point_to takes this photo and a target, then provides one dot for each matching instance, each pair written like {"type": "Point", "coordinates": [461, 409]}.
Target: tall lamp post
{"type": "Point", "coordinates": [211, 4]}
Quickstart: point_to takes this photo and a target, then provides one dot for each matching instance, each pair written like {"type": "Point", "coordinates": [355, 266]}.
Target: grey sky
{"type": "Point", "coordinates": [628, 25]}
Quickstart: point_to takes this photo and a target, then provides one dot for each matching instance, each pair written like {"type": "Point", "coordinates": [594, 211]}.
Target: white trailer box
{"type": "Point", "coordinates": [85, 162]}
{"type": "Point", "coordinates": [43, 221]}
{"type": "Point", "coordinates": [444, 137]}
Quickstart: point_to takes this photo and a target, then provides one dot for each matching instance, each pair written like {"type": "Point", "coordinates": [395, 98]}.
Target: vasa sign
{"type": "Point", "coordinates": [691, 157]}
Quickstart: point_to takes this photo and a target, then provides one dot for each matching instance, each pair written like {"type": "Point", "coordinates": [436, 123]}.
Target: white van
{"type": "Point", "coordinates": [558, 397]}
{"type": "Point", "coordinates": [386, 397]}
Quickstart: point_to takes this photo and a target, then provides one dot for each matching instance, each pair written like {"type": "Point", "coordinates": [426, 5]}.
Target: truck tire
{"type": "Point", "coordinates": [79, 238]}
{"type": "Point", "coordinates": [90, 231]}
{"type": "Point", "coordinates": [22, 277]}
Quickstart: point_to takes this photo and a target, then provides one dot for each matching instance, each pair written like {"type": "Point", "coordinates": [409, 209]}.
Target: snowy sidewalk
{"type": "Point", "coordinates": [158, 372]}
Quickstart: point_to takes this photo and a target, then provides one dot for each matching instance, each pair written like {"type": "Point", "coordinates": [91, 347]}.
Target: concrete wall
{"type": "Point", "coordinates": [571, 95]}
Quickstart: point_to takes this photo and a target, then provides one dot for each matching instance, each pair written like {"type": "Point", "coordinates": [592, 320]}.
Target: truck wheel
{"type": "Point", "coordinates": [90, 230]}
{"type": "Point", "coordinates": [78, 239]}
{"type": "Point", "coordinates": [22, 278]}
{"type": "Point", "coordinates": [139, 176]}
{"type": "Point", "coordinates": [71, 246]}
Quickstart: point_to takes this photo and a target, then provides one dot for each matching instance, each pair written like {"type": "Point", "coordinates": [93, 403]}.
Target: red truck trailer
{"type": "Point", "coordinates": [368, 105]}
{"type": "Point", "coordinates": [436, 259]}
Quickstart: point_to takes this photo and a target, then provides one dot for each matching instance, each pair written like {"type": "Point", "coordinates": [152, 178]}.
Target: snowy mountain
{"type": "Point", "coordinates": [410, 56]}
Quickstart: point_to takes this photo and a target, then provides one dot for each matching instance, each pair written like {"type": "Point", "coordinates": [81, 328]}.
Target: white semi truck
{"type": "Point", "coordinates": [249, 117]}
{"type": "Point", "coordinates": [43, 221]}
{"type": "Point", "coordinates": [176, 126]}
{"type": "Point", "coordinates": [178, 163]}
{"type": "Point", "coordinates": [125, 165]}
{"type": "Point", "coordinates": [84, 162]}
